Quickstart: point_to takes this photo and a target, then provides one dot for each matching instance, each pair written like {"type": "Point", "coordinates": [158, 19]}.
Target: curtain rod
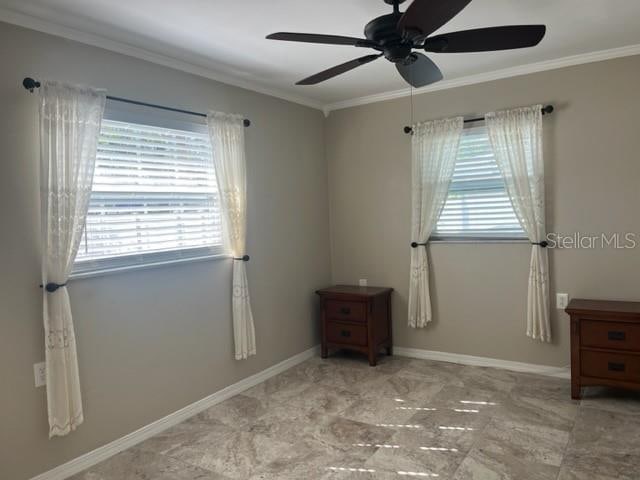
{"type": "Point", "coordinates": [31, 84]}
{"type": "Point", "coordinates": [547, 109]}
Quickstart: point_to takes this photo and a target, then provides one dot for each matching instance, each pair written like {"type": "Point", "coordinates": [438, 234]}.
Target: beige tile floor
{"type": "Point", "coordinates": [406, 418]}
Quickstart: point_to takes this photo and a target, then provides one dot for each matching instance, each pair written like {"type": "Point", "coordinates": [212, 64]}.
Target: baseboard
{"type": "Point", "coordinates": [559, 372]}
{"type": "Point", "coordinates": [102, 453]}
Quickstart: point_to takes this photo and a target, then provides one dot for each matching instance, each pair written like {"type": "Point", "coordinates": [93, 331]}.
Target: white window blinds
{"type": "Point", "coordinates": [154, 198]}
{"type": "Point", "coordinates": [477, 205]}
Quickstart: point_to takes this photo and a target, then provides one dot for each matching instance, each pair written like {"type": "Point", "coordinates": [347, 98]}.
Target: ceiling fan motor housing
{"type": "Point", "coordinates": [397, 34]}
{"type": "Point", "coordinates": [383, 30]}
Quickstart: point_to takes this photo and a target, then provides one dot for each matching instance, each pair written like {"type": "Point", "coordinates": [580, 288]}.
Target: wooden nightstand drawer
{"type": "Point", "coordinates": [605, 344]}
{"type": "Point", "coordinates": [356, 318]}
{"type": "Point", "coordinates": [346, 333]}
{"type": "Point", "coordinates": [612, 335]}
{"type": "Point", "coordinates": [345, 310]}
{"type": "Point", "coordinates": [616, 366]}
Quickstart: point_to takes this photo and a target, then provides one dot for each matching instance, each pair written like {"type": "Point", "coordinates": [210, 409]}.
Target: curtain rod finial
{"type": "Point", "coordinates": [246, 122]}
{"type": "Point", "coordinates": [547, 109]}
{"type": "Point", "coordinates": [408, 130]}
{"type": "Point", "coordinates": [30, 84]}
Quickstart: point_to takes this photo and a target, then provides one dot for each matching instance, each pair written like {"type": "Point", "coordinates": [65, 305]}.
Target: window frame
{"type": "Point", "coordinates": [141, 261]}
{"type": "Point", "coordinates": [476, 238]}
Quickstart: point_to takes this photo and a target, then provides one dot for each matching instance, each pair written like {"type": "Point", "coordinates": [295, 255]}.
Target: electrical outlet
{"type": "Point", "coordinates": [562, 300]}
{"type": "Point", "coordinates": [363, 282]}
{"type": "Point", "coordinates": [40, 374]}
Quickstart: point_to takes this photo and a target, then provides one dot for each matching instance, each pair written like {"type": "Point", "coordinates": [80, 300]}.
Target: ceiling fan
{"type": "Point", "coordinates": [397, 34]}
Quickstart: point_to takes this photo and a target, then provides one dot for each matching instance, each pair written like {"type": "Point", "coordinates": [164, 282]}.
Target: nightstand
{"type": "Point", "coordinates": [605, 344]}
{"type": "Point", "coordinates": [356, 318]}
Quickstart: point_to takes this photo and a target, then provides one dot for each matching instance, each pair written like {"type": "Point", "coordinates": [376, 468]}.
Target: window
{"type": "Point", "coordinates": [477, 205]}
{"type": "Point", "coordinates": [154, 198]}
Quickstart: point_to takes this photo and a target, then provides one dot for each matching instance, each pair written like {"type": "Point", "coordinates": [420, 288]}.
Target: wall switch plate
{"type": "Point", "coordinates": [363, 282]}
{"type": "Point", "coordinates": [562, 300]}
{"type": "Point", "coordinates": [40, 374]}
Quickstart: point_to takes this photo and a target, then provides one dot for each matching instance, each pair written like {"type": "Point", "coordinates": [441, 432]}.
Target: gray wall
{"type": "Point", "coordinates": [151, 342]}
{"type": "Point", "coordinates": [479, 290]}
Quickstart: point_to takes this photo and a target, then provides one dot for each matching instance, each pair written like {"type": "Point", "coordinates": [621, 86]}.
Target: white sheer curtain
{"type": "Point", "coordinates": [70, 120]}
{"type": "Point", "coordinates": [227, 142]}
{"type": "Point", "coordinates": [434, 147]}
{"type": "Point", "coordinates": [516, 138]}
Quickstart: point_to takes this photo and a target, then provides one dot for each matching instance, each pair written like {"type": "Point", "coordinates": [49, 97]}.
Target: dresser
{"type": "Point", "coordinates": [605, 344]}
{"type": "Point", "coordinates": [356, 318]}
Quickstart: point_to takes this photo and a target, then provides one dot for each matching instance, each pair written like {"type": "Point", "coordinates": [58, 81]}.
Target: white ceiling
{"type": "Point", "coordinates": [225, 38]}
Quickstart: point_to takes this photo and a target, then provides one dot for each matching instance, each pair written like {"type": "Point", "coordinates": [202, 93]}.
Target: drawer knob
{"type": "Point", "coordinates": [616, 367]}
{"type": "Point", "coordinates": [617, 336]}
{"type": "Point", "coordinates": [345, 310]}
{"type": "Point", "coordinates": [345, 333]}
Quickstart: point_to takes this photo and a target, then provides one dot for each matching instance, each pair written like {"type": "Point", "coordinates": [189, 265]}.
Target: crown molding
{"type": "Point", "coordinates": [52, 28]}
{"type": "Point", "coordinates": [490, 76]}
{"type": "Point", "coordinates": [34, 23]}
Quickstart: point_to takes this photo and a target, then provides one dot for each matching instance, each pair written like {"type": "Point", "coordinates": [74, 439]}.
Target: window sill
{"type": "Point", "coordinates": [146, 266]}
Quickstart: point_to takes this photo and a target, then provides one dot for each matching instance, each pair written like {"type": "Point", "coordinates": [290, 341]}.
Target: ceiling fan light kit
{"type": "Point", "coordinates": [396, 35]}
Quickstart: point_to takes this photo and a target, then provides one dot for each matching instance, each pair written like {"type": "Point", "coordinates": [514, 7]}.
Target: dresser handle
{"type": "Point", "coordinates": [345, 310]}
{"type": "Point", "coordinates": [345, 333]}
{"type": "Point", "coordinates": [616, 336]}
{"type": "Point", "coordinates": [616, 367]}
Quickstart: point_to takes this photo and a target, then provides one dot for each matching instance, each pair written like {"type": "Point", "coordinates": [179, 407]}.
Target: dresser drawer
{"type": "Point", "coordinates": [612, 335]}
{"type": "Point", "coordinates": [346, 333]}
{"type": "Point", "coordinates": [616, 366]}
{"type": "Point", "coordinates": [347, 311]}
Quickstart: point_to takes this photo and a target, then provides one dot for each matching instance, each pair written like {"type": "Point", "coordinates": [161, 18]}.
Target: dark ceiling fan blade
{"type": "Point", "coordinates": [423, 17]}
{"type": "Point", "coordinates": [338, 69]}
{"type": "Point", "coordinates": [486, 39]}
{"type": "Point", "coordinates": [319, 38]}
{"type": "Point", "coordinates": [418, 70]}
